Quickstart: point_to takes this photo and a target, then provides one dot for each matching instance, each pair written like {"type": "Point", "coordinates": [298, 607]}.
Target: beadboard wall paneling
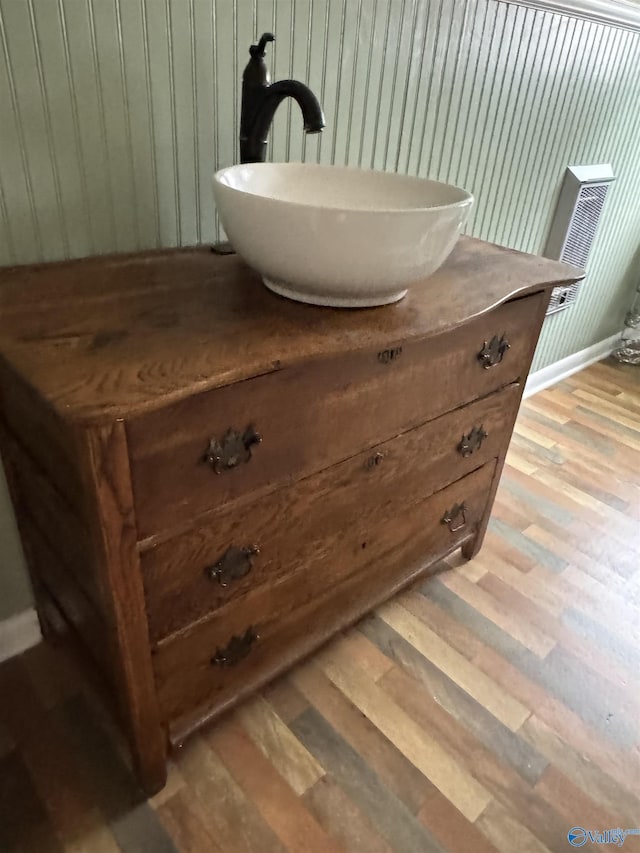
{"type": "Point", "coordinates": [115, 113]}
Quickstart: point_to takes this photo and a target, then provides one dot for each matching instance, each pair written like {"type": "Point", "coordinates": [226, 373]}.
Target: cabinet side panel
{"type": "Point", "coordinates": [39, 500]}
{"type": "Point", "coordinates": [43, 434]}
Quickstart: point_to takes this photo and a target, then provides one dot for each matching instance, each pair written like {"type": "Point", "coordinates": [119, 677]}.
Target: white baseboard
{"type": "Point", "coordinates": [19, 633]}
{"type": "Point", "coordinates": [559, 370]}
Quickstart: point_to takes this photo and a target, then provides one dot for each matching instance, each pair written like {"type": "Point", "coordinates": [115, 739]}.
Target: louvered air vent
{"type": "Point", "coordinates": [575, 223]}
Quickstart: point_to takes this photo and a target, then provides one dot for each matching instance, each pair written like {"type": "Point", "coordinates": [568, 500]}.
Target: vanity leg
{"type": "Point", "coordinates": [105, 467]}
{"type": "Point", "coordinates": [150, 769]}
{"type": "Point", "coordinates": [472, 546]}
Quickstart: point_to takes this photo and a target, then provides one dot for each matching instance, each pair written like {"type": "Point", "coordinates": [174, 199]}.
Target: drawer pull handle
{"type": "Point", "coordinates": [234, 564]}
{"type": "Point", "coordinates": [373, 461]}
{"type": "Point", "coordinates": [472, 441]}
{"type": "Point", "coordinates": [493, 351]}
{"type": "Point", "coordinates": [232, 449]}
{"type": "Point", "coordinates": [236, 649]}
{"type": "Point", "coordinates": [386, 356]}
{"type": "Point", "coordinates": [456, 517]}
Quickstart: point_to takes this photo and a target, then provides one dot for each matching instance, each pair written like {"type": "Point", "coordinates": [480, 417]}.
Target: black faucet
{"type": "Point", "coordinates": [260, 100]}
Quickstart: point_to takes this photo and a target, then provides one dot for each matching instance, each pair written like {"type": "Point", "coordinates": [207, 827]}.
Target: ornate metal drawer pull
{"type": "Point", "coordinates": [493, 351]}
{"type": "Point", "coordinates": [234, 564]}
{"type": "Point", "coordinates": [236, 649]}
{"type": "Point", "coordinates": [232, 449]}
{"type": "Point", "coordinates": [386, 356]}
{"type": "Point", "coordinates": [472, 441]}
{"type": "Point", "coordinates": [456, 517]}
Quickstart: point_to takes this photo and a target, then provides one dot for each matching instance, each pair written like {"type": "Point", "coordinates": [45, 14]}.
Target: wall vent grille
{"type": "Point", "coordinates": [575, 223]}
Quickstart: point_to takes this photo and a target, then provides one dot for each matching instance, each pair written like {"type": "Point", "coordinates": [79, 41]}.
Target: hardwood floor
{"type": "Point", "coordinates": [490, 708]}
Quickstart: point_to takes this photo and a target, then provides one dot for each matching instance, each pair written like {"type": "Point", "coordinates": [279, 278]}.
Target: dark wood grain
{"type": "Point", "coordinates": [42, 431]}
{"type": "Point", "coordinates": [314, 415]}
{"type": "Point", "coordinates": [116, 376]}
{"type": "Point", "coordinates": [105, 467]}
{"type": "Point", "coordinates": [103, 337]}
{"type": "Point", "coordinates": [232, 787]}
{"type": "Point", "coordinates": [538, 309]}
{"type": "Point", "coordinates": [297, 615]}
{"type": "Point", "coordinates": [64, 531]}
{"type": "Point", "coordinates": [318, 509]}
{"type": "Point", "coordinates": [77, 609]}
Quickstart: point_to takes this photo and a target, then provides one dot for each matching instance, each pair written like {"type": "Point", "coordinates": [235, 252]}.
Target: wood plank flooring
{"type": "Point", "coordinates": [490, 708]}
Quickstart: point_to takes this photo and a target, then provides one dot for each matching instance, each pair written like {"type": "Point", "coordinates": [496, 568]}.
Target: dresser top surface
{"type": "Point", "coordinates": [111, 336]}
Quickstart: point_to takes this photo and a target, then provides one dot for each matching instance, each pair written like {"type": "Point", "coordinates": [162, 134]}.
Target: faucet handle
{"type": "Point", "coordinates": [258, 49]}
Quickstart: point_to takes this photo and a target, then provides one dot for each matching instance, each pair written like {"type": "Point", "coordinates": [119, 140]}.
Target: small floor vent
{"type": "Point", "coordinates": [573, 230]}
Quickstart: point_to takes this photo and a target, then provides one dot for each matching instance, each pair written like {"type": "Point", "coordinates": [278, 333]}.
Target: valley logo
{"type": "Point", "coordinates": [578, 836]}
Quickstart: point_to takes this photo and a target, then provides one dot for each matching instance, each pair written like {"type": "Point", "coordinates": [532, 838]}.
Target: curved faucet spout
{"type": "Point", "coordinates": [260, 100]}
{"type": "Point", "coordinates": [312, 114]}
{"type": "Point", "coordinates": [253, 145]}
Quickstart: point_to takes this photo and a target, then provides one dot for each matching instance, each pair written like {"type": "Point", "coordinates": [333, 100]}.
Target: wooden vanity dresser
{"type": "Point", "coordinates": [211, 480]}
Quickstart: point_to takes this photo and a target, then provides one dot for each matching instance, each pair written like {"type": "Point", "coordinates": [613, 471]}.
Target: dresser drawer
{"type": "Point", "coordinates": [245, 544]}
{"type": "Point", "coordinates": [242, 645]}
{"type": "Point", "coordinates": [313, 415]}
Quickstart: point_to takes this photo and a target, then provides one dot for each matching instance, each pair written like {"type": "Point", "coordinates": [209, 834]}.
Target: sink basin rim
{"type": "Point", "coordinates": [464, 199]}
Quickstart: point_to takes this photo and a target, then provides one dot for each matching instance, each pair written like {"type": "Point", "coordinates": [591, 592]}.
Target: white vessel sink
{"type": "Point", "coordinates": [338, 236]}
